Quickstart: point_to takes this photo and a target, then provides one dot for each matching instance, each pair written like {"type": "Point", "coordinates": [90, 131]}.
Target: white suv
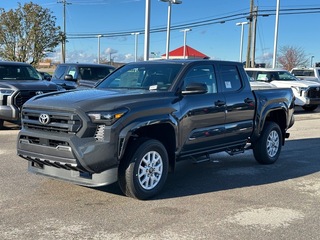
{"type": "Point", "coordinates": [307, 93]}
{"type": "Point", "coordinates": [310, 74]}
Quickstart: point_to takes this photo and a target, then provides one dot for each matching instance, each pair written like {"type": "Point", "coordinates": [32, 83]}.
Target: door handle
{"type": "Point", "coordinates": [220, 103]}
{"type": "Point", "coordinates": [249, 100]}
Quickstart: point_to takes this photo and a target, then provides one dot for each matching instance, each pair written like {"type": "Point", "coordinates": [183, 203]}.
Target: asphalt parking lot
{"type": "Point", "coordinates": [226, 198]}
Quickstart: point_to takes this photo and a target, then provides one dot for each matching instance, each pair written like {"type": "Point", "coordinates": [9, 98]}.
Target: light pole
{"type": "Point", "coordinates": [147, 32]}
{"type": "Point", "coordinates": [276, 36]}
{"type": "Point", "coordinates": [135, 45]}
{"type": "Point", "coordinates": [169, 22]}
{"type": "Point", "coordinates": [241, 38]}
{"type": "Point", "coordinates": [311, 61]}
{"type": "Point", "coordinates": [99, 36]}
{"type": "Point", "coordinates": [185, 40]}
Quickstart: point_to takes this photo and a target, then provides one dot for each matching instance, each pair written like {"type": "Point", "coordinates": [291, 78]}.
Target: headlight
{"type": "Point", "coordinates": [5, 91]}
{"type": "Point", "coordinates": [300, 90]}
{"type": "Point", "coordinates": [107, 117]}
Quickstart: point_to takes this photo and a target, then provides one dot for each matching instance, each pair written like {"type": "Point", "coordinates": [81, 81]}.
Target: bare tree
{"type": "Point", "coordinates": [291, 57]}
{"type": "Point", "coordinates": [28, 33]}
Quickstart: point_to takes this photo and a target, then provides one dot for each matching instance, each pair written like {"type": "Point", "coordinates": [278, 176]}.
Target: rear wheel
{"type": "Point", "coordinates": [309, 108]}
{"type": "Point", "coordinates": [1, 123]}
{"type": "Point", "coordinates": [144, 170]}
{"type": "Point", "coordinates": [268, 147]}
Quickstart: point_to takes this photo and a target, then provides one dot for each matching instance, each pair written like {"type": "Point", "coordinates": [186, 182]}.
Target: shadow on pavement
{"type": "Point", "coordinates": [224, 172]}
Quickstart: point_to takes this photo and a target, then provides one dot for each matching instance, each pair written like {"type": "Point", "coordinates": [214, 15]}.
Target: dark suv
{"type": "Point", "coordinates": [73, 75]}
{"type": "Point", "coordinates": [18, 83]}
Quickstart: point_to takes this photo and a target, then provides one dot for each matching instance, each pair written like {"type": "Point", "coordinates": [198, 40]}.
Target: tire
{"type": "Point", "coordinates": [144, 170]}
{"type": "Point", "coordinates": [1, 123]}
{"type": "Point", "coordinates": [309, 108]}
{"type": "Point", "coordinates": [268, 147]}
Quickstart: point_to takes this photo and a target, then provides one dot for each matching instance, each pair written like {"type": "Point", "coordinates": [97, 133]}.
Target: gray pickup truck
{"type": "Point", "coordinates": [85, 75]}
{"type": "Point", "coordinates": [18, 83]}
{"type": "Point", "coordinates": [144, 117]}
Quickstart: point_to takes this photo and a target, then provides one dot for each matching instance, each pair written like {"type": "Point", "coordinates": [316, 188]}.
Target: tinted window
{"type": "Point", "coordinates": [230, 76]}
{"type": "Point", "coordinates": [72, 71]}
{"type": "Point", "coordinates": [94, 73]}
{"type": "Point", "coordinates": [202, 74]}
{"type": "Point", "coordinates": [59, 72]}
{"type": "Point", "coordinates": [11, 72]}
{"type": "Point", "coordinates": [286, 76]}
{"type": "Point", "coordinates": [275, 75]}
{"type": "Point", "coordinates": [301, 72]}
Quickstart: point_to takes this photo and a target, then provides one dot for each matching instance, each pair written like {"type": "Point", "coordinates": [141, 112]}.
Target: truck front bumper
{"type": "Point", "coordinates": [10, 113]}
{"type": "Point", "coordinates": [301, 101]}
{"type": "Point", "coordinates": [81, 178]}
{"type": "Point", "coordinates": [67, 152]}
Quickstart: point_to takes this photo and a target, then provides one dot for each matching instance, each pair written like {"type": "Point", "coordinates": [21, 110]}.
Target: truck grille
{"type": "Point", "coordinates": [64, 122]}
{"type": "Point", "coordinates": [314, 92]}
{"type": "Point", "coordinates": [24, 96]}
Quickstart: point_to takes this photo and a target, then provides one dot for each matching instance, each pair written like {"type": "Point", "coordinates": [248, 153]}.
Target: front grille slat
{"type": "Point", "coordinates": [63, 122]}
{"type": "Point", "coordinates": [314, 92]}
{"type": "Point", "coordinates": [25, 95]}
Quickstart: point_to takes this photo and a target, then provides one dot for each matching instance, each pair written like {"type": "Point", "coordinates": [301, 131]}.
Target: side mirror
{"type": "Point", "coordinates": [69, 77]}
{"type": "Point", "coordinates": [195, 88]}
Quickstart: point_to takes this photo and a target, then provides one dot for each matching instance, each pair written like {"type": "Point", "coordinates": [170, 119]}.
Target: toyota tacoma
{"type": "Point", "coordinates": [145, 116]}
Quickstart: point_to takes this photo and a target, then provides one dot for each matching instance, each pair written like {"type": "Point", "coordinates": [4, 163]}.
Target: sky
{"type": "Point", "coordinates": [217, 40]}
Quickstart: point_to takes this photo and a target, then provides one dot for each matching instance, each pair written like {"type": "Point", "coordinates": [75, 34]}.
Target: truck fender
{"type": "Point", "coordinates": [129, 130]}
{"type": "Point", "coordinates": [265, 111]}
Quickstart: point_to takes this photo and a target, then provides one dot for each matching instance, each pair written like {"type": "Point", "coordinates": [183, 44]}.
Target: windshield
{"type": "Point", "coordinates": [142, 76]}
{"type": "Point", "coordinates": [12, 72]}
{"type": "Point", "coordinates": [276, 75]}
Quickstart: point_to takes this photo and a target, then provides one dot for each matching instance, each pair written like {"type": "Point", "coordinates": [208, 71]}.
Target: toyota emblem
{"type": "Point", "coordinates": [39, 92]}
{"type": "Point", "coordinates": [44, 118]}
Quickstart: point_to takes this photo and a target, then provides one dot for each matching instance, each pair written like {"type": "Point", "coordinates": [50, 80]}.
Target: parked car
{"type": "Point", "coordinates": [307, 93]}
{"type": "Point", "coordinates": [18, 83]}
{"type": "Point", "coordinates": [73, 75]}
{"type": "Point", "coordinates": [309, 74]}
{"type": "Point", "coordinates": [45, 75]}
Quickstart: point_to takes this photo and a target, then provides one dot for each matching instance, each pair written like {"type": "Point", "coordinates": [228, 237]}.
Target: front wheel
{"type": "Point", "coordinates": [268, 147]}
{"type": "Point", "coordinates": [144, 170]}
{"type": "Point", "coordinates": [309, 108]}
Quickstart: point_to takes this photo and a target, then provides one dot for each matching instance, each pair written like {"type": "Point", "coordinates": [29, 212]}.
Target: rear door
{"type": "Point", "coordinates": [240, 102]}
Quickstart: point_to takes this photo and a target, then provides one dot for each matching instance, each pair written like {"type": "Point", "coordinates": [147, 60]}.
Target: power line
{"type": "Point", "coordinates": [219, 20]}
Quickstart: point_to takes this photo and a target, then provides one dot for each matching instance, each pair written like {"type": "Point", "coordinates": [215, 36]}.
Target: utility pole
{"type": "Point", "coordinates": [254, 37]}
{"type": "Point", "coordinates": [248, 60]}
{"type": "Point", "coordinates": [63, 43]}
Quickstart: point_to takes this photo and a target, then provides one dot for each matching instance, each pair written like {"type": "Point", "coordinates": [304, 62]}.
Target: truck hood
{"type": "Point", "coordinates": [95, 99]}
{"type": "Point", "coordinates": [255, 85]}
{"type": "Point", "coordinates": [301, 83]}
{"type": "Point", "coordinates": [28, 85]}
